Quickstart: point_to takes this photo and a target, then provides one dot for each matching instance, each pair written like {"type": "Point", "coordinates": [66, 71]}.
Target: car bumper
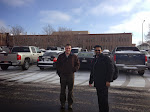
{"type": "Point", "coordinates": [85, 66]}
{"type": "Point", "coordinates": [45, 64]}
{"type": "Point", "coordinates": [16, 63]}
{"type": "Point", "coordinates": [131, 67]}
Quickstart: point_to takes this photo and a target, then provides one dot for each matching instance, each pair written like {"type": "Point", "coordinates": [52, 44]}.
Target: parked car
{"type": "Point", "coordinates": [76, 50]}
{"type": "Point", "coordinates": [48, 59]}
{"type": "Point", "coordinates": [20, 56]}
{"type": "Point", "coordinates": [55, 48]}
{"type": "Point", "coordinates": [85, 59]}
{"type": "Point", "coordinates": [106, 52]}
{"type": "Point", "coordinates": [148, 57]}
{"type": "Point", "coordinates": [129, 58]}
{"type": "Point", "coordinates": [43, 51]}
{"type": "Point", "coordinates": [4, 49]}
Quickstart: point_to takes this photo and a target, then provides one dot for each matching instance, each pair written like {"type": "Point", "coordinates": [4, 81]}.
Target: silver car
{"type": "Point", "coordinates": [49, 59]}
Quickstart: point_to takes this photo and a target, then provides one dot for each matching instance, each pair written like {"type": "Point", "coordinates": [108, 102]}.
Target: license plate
{"type": "Point", "coordinates": [84, 61]}
{"type": "Point", "coordinates": [46, 60]}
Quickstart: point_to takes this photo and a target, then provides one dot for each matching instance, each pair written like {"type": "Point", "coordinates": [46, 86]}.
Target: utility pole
{"type": "Point", "coordinates": [142, 30]}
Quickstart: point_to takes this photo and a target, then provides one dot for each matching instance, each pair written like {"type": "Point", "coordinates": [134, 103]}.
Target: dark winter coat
{"type": "Point", "coordinates": [67, 65]}
{"type": "Point", "coordinates": [102, 71]}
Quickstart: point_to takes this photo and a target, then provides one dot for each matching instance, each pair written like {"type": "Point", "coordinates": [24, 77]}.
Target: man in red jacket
{"type": "Point", "coordinates": [67, 64]}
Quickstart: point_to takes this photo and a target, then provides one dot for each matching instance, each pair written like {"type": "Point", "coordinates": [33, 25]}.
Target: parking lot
{"type": "Point", "coordinates": [48, 76]}
{"type": "Point", "coordinates": [38, 90]}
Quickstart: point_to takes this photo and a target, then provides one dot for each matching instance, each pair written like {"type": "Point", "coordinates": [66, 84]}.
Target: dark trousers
{"type": "Point", "coordinates": [102, 94]}
{"type": "Point", "coordinates": [67, 80]}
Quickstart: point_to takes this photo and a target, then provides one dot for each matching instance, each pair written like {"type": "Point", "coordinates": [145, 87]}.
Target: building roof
{"type": "Point", "coordinates": [68, 32]}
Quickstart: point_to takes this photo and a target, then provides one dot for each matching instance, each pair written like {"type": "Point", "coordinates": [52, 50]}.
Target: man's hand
{"type": "Point", "coordinates": [90, 85]}
{"type": "Point", "coordinates": [107, 84]}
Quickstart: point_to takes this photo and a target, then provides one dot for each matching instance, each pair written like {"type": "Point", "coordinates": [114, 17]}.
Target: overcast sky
{"type": "Point", "coordinates": [96, 16]}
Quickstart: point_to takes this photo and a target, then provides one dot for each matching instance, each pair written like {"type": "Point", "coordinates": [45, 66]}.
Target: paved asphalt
{"type": "Point", "coordinates": [45, 98]}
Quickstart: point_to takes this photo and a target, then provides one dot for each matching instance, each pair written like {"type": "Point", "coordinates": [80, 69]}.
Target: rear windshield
{"type": "Point", "coordinates": [21, 49]}
{"type": "Point", "coordinates": [127, 49]}
{"type": "Point", "coordinates": [51, 54]}
{"type": "Point", "coordinates": [74, 50]}
{"type": "Point", "coordinates": [51, 48]}
{"type": "Point", "coordinates": [87, 55]}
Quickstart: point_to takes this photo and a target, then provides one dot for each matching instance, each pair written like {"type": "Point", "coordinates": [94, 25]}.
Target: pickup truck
{"type": "Point", "coordinates": [129, 58]}
{"type": "Point", "coordinates": [20, 56]}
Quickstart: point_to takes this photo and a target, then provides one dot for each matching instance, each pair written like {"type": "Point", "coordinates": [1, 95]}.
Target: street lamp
{"type": "Point", "coordinates": [142, 31]}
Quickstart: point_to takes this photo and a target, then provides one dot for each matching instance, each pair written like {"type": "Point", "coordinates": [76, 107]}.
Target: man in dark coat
{"type": "Point", "coordinates": [101, 74]}
{"type": "Point", "coordinates": [67, 64]}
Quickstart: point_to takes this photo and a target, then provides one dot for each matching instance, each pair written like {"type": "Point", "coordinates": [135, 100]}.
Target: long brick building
{"type": "Point", "coordinates": [76, 39]}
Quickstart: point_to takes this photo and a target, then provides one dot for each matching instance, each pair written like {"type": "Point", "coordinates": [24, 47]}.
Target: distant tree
{"type": "Point", "coordinates": [48, 29]}
{"type": "Point", "coordinates": [3, 29]}
{"type": "Point", "coordinates": [64, 36]}
{"type": "Point", "coordinates": [17, 30]}
{"type": "Point", "coordinates": [64, 29]}
{"type": "Point", "coordinates": [148, 36]}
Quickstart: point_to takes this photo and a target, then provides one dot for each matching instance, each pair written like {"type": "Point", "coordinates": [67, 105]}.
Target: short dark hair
{"type": "Point", "coordinates": [67, 45]}
{"type": "Point", "coordinates": [97, 46]}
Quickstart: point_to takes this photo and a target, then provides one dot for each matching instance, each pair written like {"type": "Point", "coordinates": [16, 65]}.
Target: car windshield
{"type": "Point", "coordinates": [74, 50]}
{"type": "Point", "coordinates": [51, 54]}
{"type": "Point", "coordinates": [88, 55]}
{"type": "Point", "coordinates": [21, 49]}
{"type": "Point", "coordinates": [127, 49]}
{"type": "Point", "coordinates": [51, 48]}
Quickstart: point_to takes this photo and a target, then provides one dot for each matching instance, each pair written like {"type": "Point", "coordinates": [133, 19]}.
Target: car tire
{"type": "Point", "coordinates": [4, 67]}
{"type": "Point", "coordinates": [26, 65]}
{"type": "Point", "coordinates": [141, 72]}
{"type": "Point", "coordinates": [41, 68]}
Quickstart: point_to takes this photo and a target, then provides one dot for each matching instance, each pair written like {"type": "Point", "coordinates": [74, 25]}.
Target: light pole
{"type": "Point", "coordinates": [142, 31]}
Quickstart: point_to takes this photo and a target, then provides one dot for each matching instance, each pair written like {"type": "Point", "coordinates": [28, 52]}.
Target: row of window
{"type": "Point", "coordinates": [120, 39]}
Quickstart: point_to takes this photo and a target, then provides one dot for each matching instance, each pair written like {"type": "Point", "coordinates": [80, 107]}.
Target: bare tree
{"type": "Point", "coordinates": [64, 36]}
{"type": "Point", "coordinates": [148, 36]}
{"type": "Point", "coordinates": [64, 29]}
{"type": "Point", "coordinates": [17, 30]}
{"type": "Point", "coordinates": [3, 29]}
{"type": "Point", "coordinates": [48, 29]}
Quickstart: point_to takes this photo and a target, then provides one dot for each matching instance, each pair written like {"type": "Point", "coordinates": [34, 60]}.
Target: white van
{"type": "Point", "coordinates": [76, 50]}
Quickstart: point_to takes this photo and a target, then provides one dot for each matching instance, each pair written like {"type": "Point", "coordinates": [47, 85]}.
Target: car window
{"type": "Point", "coordinates": [52, 48]}
{"type": "Point", "coordinates": [21, 49]}
{"type": "Point", "coordinates": [38, 50]}
{"type": "Point", "coordinates": [33, 50]}
{"type": "Point", "coordinates": [74, 50]}
{"type": "Point", "coordinates": [127, 49]}
{"type": "Point", "coordinates": [51, 54]}
{"type": "Point", "coordinates": [90, 55]}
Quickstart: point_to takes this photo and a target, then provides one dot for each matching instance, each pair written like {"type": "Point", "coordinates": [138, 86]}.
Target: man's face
{"type": "Point", "coordinates": [98, 50]}
{"type": "Point", "coordinates": [68, 49]}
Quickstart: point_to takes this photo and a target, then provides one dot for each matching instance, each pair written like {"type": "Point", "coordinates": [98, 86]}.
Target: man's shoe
{"type": "Point", "coordinates": [62, 106]}
{"type": "Point", "coordinates": [69, 106]}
